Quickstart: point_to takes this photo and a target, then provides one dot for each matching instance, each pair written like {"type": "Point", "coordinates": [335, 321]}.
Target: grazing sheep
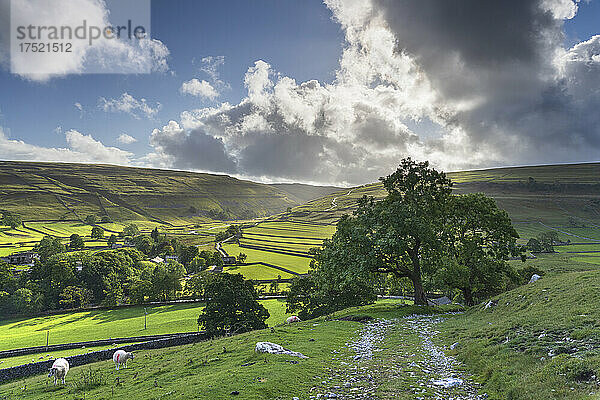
{"type": "Point", "coordinates": [292, 319]}
{"type": "Point", "coordinates": [120, 358]}
{"type": "Point", "coordinates": [59, 370]}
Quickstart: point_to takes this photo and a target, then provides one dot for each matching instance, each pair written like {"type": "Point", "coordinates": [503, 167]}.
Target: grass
{"type": "Point", "coordinates": [71, 191]}
{"type": "Point", "coordinates": [205, 371]}
{"type": "Point", "coordinates": [258, 272]}
{"type": "Point", "coordinates": [103, 324]}
{"type": "Point", "coordinates": [293, 263]}
{"type": "Point", "coordinates": [507, 346]}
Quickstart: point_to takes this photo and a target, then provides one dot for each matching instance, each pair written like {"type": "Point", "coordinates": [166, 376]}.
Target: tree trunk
{"type": "Point", "coordinates": [468, 297]}
{"type": "Point", "coordinates": [420, 298]}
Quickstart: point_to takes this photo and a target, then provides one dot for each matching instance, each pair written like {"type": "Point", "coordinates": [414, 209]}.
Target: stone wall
{"type": "Point", "coordinates": [91, 343]}
{"type": "Point", "coordinates": [42, 367]}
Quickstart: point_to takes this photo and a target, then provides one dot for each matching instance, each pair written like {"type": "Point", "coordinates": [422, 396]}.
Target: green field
{"type": "Point", "coordinates": [104, 324]}
{"type": "Point", "coordinates": [204, 371]}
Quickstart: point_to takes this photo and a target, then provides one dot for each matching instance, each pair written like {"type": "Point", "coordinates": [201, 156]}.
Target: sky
{"type": "Point", "coordinates": [333, 92]}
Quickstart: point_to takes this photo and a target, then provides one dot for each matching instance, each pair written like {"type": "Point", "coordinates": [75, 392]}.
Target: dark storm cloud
{"type": "Point", "coordinates": [496, 63]}
{"type": "Point", "coordinates": [192, 150]}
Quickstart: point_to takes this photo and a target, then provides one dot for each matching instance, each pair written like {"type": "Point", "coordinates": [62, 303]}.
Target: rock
{"type": "Point", "coordinates": [273, 348]}
{"type": "Point", "coordinates": [448, 382]}
{"type": "Point", "coordinates": [534, 278]}
{"type": "Point", "coordinates": [454, 345]}
{"type": "Point", "coordinates": [441, 301]}
{"type": "Point", "coordinates": [235, 393]}
{"type": "Point", "coordinates": [490, 304]}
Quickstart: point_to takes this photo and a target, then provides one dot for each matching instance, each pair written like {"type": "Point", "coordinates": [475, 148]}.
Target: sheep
{"type": "Point", "coordinates": [59, 370]}
{"type": "Point", "coordinates": [292, 319]}
{"type": "Point", "coordinates": [120, 358]}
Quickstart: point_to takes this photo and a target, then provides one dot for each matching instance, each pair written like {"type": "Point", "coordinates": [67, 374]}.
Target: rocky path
{"type": "Point", "coordinates": [397, 359]}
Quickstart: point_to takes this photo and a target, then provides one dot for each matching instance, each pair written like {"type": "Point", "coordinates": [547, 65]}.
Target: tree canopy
{"type": "Point", "coordinates": [231, 306]}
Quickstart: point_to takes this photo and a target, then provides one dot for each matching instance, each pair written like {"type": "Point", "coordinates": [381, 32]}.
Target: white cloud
{"type": "Point", "coordinates": [126, 139]}
{"type": "Point", "coordinates": [81, 148]}
{"type": "Point", "coordinates": [198, 88]}
{"type": "Point", "coordinates": [129, 105]}
{"type": "Point", "coordinates": [105, 55]}
{"type": "Point", "coordinates": [419, 79]}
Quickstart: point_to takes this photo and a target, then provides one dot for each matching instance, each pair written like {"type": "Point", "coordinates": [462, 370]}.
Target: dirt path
{"type": "Point", "coordinates": [334, 200]}
{"type": "Point", "coordinates": [397, 359]}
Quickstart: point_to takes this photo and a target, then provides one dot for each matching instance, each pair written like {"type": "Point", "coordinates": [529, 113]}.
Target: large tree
{"type": "Point", "coordinates": [478, 240]}
{"type": "Point", "coordinates": [231, 306]}
{"type": "Point", "coordinates": [396, 234]}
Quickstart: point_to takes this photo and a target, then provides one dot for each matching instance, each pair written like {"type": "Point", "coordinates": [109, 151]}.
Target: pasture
{"type": "Point", "coordinates": [104, 324]}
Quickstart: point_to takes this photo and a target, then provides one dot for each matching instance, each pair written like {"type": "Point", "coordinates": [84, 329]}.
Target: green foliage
{"type": "Point", "coordinates": [10, 219]}
{"type": "Point", "coordinates": [112, 240]}
{"type": "Point", "coordinates": [91, 219]}
{"type": "Point", "coordinates": [197, 264]}
{"type": "Point", "coordinates": [391, 236]}
{"type": "Point", "coordinates": [241, 258]}
{"type": "Point", "coordinates": [231, 306]}
{"type": "Point", "coordinates": [534, 245]}
{"type": "Point", "coordinates": [143, 243]}
{"type": "Point", "coordinates": [76, 242]}
{"type": "Point", "coordinates": [231, 231]}
{"type": "Point", "coordinates": [196, 285]}
{"type": "Point", "coordinates": [546, 241]}
{"type": "Point", "coordinates": [48, 247]}
{"type": "Point", "coordinates": [525, 273]}
{"type": "Point", "coordinates": [23, 301]}
{"type": "Point", "coordinates": [478, 241]}
{"type": "Point", "coordinates": [187, 254]}
{"type": "Point", "coordinates": [74, 297]}
{"type": "Point", "coordinates": [166, 280]}
{"type": "Point", "coordinates": [131, 230]}
{"type": "Point", "coordinates": [97, 233]}
{"type": "Point", "coordinates": [8, 282]}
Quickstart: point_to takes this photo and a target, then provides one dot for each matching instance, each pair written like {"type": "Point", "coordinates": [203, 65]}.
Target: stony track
{"type": "Point", "coordinates": [397, 359]}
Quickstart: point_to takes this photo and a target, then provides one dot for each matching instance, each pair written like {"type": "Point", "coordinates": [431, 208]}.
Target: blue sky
{"type": "Point", "coordinates": [333, 91]}
{"type": "Point", "coordinates": [297, 37]}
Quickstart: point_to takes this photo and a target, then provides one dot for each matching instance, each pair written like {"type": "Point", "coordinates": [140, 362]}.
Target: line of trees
{"type": "Point", "coordinates": [65, 276]}
{"type": "Point", "coordinates": [420, 233]}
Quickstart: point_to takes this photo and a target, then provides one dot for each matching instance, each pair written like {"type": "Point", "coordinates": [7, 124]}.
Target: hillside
{"type": "Point", "coordinates": [539, 343]}
{"type": "Point", "coordinates": [563, 197]}
{"type": "Point", "coordinates": [46, 191]}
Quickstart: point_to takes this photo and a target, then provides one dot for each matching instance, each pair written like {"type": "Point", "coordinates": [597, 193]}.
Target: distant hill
{"type": "Point", "coordinates": [565, 198]}
{"type": "Point", "coordinates": [44, 191]}
{"type": "Point", "coordinates": [303, 193]}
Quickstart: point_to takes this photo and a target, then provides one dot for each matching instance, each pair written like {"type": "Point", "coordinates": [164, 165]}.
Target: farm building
{"type": "Point", "coordinates": [23, 258]}
{"type": "Point", "coordinates": [229, 260]}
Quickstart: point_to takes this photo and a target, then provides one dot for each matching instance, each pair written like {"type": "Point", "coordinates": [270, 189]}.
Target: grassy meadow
{"type": "Point", "coordinates": [103, 324]}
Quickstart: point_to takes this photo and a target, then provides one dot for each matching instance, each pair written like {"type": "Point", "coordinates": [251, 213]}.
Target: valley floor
{"type": "Point", "coordinates": [405, 352]}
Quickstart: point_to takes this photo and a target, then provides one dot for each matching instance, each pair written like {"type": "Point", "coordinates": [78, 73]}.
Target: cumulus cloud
{"type": "Point", "coordinates": [104, 56]}
{"type": "Point", "coordinates": [198, 88]}
{"type": "Point", "coordinates": [463, 84]}
{"type": "Point", "coordinates": [126, 139]}
{"type": "Point", "coordinates": [81, 148]}
{"type": "Point", "coordinates": [129, 105]}
{"type": "Point", "coordinates": [210, 89]}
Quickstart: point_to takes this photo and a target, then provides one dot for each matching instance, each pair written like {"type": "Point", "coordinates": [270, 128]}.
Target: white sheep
{"type": "Point", "coordinates": [120, 358]}
{"type": "Point", "coordinates": [59, 370]}
{"type": "Point", "coordinates": [292, 319]}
